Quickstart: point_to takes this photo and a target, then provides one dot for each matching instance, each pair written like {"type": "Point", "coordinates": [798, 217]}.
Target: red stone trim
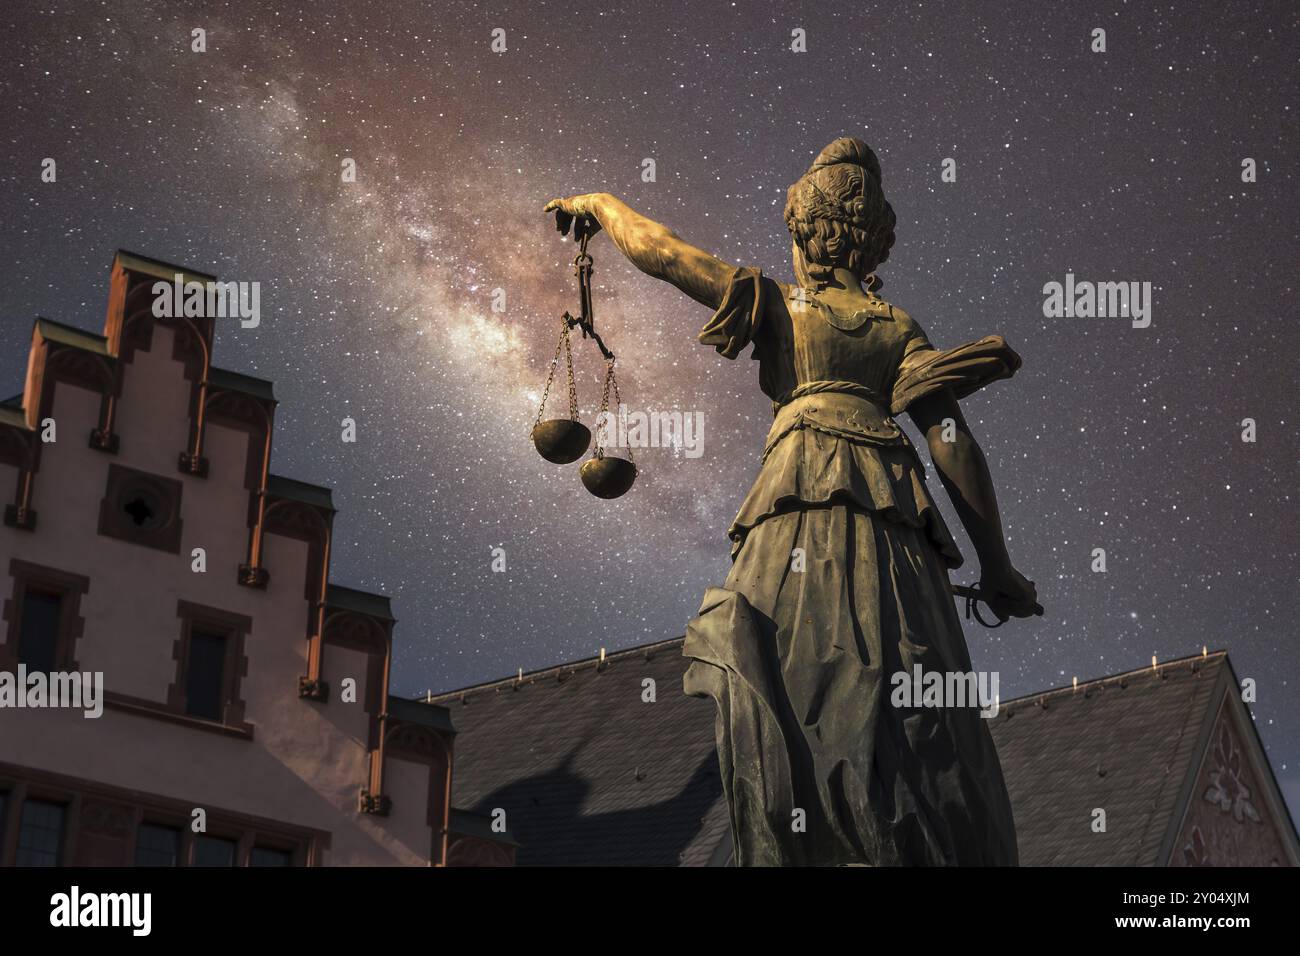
{"type": "Point", "coordinates": [253, 415]}
{"type": "Point", "coordinates": [69, 586]}
{"type": "Point", "coordinates": [93, 372]}
{"type": "Point", "coordinates": [102, 437]}
{"type": "Point", "coordinates": [236, 628]}
{"type": "Point", "coordinates": [366, 635]}
{"type": "Point", "coordinates": [53, 363]}
{"type": "Point", "coordinates": [424, 745]}
{"type": "Point", "coordinates": [135, 331]}
{"type": "Point", "coordinates": [416, 744]}
{"type": "Point", "coordinates": [361, 632]}
{"type": "Point", "coordinates": [356, 632]}
{"type": "Point", "coordinates": [48, 364]}
{"type": "Point", "coordinates": [268, 514]}
{"type": "Point", "coordinates": [131, 326]}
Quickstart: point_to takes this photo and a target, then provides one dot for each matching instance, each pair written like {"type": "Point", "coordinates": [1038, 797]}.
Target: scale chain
{"type": "Point", "coordinates": [618, 403]}
{"type": "Point", "coordinates": [610, 380]}
{"type": "Point", "coordinates": [573, 387]}
{"type": "Point", "coordinates": [561, 346]}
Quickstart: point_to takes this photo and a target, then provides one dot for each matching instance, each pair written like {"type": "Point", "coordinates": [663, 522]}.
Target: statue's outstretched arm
{"type": "Point", "coordinates": [650, 246]}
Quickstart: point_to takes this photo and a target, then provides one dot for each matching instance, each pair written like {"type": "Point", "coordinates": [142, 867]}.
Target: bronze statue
{"type": "Point", "coordinates": [840, 558]}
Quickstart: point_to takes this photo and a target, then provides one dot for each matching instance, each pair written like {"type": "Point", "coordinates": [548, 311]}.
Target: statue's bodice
{"type": "Point", "coordinates": [797, 344]}
{"type": "Point", "coordinates": [835, 389]}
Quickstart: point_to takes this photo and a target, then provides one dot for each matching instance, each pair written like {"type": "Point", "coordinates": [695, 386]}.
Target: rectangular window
{"type": "Point", "coordinates": [210, 662]}
{"type": "Point", "coordinates": [214, 851]}
{"type": "Point", "coordinates": [38, 636]}
{"type": "Point", "coordinates": [40, 836]}
{"type": "Point", "coordinates": [205, 678]}
{"type": "Point", "coordinates": [157, 845]}
{"type": "Point", "coordinates": [267, 856]}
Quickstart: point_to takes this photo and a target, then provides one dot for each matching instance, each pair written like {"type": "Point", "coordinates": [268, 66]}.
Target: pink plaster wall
{"type": "Point", "coordinates": [307, 760]}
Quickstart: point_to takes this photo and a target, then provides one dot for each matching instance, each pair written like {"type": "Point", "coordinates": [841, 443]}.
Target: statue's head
{"type": "Point", "coordinates": [837, 214]}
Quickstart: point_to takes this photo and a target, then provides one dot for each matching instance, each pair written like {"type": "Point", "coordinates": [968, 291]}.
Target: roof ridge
{"type": "Point", "coordinates": [298, 481]}
{"type": "Point", "coordinates": [53, 330]}
{"type": "Point", "coordinates": [159, 268]}
{"type": "Point", "coordinates": [532, 677]}
{"type": "Point", "coordinates": [71, 328]}
{"type": "Point", "coordinates": [588, 662]}
{"type": "Point", "coordinates": [319, 496]}
{"type": "Point", "coordinates": [1206, 657]}
{"type": "Point", "coordinates": [374, 603]}
{"type": "Point", "coordinates": [253, 385]}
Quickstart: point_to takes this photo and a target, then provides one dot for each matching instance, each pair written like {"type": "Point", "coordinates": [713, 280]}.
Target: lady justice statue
{"type": "Point", "coordinates": [840, 559]}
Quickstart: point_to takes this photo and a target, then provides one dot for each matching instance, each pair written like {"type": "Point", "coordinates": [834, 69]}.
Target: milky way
{"type": "Point", "coordinates": [377, 295]}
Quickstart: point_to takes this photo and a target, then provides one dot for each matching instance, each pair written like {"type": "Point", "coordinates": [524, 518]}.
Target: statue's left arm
{"type": "Point", "coordinates": [650, 246]}
{"type": "Point", "coordinates": [962, 468]}
{"type": "Point", "coordinates": [928, 384]}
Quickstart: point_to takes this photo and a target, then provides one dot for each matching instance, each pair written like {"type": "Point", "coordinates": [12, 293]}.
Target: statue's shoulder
{"type": "Point", "coordinates": [902, 318]}
{"type": "Point", "coordinates": [896, 312]}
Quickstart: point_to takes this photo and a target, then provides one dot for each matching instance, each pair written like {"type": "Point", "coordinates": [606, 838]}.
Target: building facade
{"type": "Point", "coordinates": [246, 718]}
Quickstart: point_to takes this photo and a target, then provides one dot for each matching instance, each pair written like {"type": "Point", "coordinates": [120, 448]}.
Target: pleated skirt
{"type": "Point", "coordinates": [819, 765]}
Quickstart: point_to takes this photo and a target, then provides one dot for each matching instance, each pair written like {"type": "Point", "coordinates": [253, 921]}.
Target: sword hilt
{"type": "Point", "coordinates": [974, 595]}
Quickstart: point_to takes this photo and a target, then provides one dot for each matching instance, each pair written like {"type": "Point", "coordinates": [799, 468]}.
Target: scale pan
{"type": "Point", "coordinates": [608, 477]}
{"type": "Point", "coordinates": [561, 440]}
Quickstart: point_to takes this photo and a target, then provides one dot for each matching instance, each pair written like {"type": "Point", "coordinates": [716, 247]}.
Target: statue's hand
{"type": "Point", "coordinates": [581, 209]}
{"type": "Point", "coordinates": [1008, 593]}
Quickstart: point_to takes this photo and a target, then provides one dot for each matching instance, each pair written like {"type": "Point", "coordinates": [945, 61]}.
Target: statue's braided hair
{"type": "Point", "coordinates": [837, 211]}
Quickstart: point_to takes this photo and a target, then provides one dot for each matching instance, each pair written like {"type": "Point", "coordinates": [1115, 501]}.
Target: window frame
{"type": "Point", "coordinates": [305, 845]}
{"type": "Point", "coordinates": [234, 628]}
{"type": "Point", "coordinates": [199, 685]}
{"type": "Point", "coordinates": [153, 821]}
{"type": "Point", "coordinates": [225, 836]}
{"type": "Point", "coordinates": [271, 843]}
{"type": "Point", "coordinates": [59, 598]}
{"type": "Point", "coordinates": [65, 808]}
{"type": "Point", "coordinates": [69, 587]}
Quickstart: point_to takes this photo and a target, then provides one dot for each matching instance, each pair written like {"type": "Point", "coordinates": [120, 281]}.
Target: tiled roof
{"type": "Point", "coordinates": [1123, 744]}
{"type": "Point", "coordinates": [590, 774]}
{"type": "Point", "coordinates": [587, 772]}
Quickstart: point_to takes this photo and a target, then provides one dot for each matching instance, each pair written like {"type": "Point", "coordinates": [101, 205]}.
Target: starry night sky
{"type": "Point", "coordinates": [376, 296]}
